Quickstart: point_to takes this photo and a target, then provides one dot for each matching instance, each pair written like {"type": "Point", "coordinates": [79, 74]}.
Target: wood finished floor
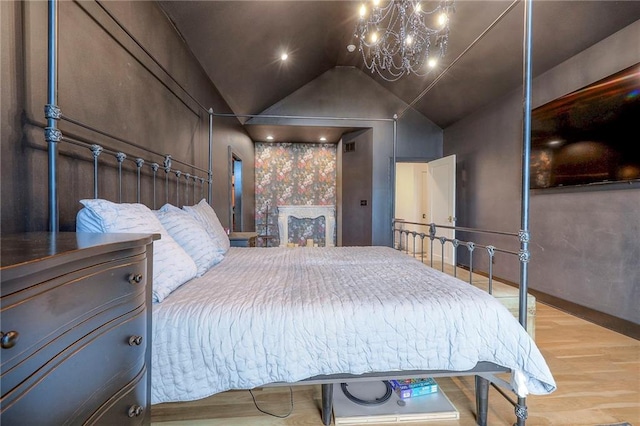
{"type": "Point", "coordinates": [597, 372]}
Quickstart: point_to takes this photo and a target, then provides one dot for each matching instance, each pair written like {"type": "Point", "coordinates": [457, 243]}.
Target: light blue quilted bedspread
{"type": "Point", "coordinates": [266, 315]}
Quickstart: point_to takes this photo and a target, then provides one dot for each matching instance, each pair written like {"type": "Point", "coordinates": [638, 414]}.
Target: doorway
{"type": "Point", "coordinates": [425, 193]}
{"type": "Point", "coordinates": [235, 189]}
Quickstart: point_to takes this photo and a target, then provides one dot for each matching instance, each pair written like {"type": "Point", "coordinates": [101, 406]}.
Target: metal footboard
{"type": "Point", "coordinates": [420, 239]}
{"type": "Point", "coordinates": [415, 238]}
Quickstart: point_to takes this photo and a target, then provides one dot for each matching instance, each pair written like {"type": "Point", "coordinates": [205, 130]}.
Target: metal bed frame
{"type": "Point", "coordinates": [484, 372]}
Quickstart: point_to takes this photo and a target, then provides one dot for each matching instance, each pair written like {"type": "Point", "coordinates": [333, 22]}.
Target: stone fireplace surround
{"type": "Point", "coordinates": [306, 212]}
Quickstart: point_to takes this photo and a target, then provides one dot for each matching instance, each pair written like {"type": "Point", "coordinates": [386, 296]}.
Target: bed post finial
{"type": "Point", "coordinates": [432, 231]}
{"type": "Point", "coordinates": [154, 167]}
{"type": "Point", "coordinates": [195, 180]}
{"type": "Point", "coordinates": [210, 168]}
{"type": "Point", "coordinates": [96, 150]}
{"type": "Point", "coordinates": [178, 174]}
{"type": "Point", "coordinates": [139, 163]}
{"type": "Point", "coordinates": [167, 168]}
{"type": "Point", "coordinates": [120, 156]}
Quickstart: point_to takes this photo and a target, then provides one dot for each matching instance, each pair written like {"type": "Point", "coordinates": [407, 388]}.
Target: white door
{"type": "Point", "coordinates": [409, 204]}
{"type": "Point", "coordinates": [439, 186]}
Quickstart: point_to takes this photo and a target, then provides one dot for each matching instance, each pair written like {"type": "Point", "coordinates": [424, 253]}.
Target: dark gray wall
{"type": "Point", "coordinates": [357, 171]}
{"type": "Point", "coordinates": [346, 92]}
{"type": "Point", "coordinates": [584, 242]}
{"type": "Point", "coordinates": [106, 81]}
{"type": "Point", "coordinates": [11, 101]}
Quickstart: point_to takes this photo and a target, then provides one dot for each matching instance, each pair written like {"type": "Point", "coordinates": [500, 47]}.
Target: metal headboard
{"type": "Point", "coordinates": [193, 184]}
{"type": "Point", "coordinates": [53, 136]}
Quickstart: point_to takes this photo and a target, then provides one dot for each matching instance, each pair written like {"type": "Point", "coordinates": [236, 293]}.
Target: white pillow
{"type": "Point", "coordinates": [191, 236]}
{"type": "Point", "coordinates": [172, 266]}
{"type": "Point", "coordinates": [207, 217]}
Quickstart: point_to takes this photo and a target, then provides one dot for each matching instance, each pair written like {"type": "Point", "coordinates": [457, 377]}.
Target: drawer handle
{"type": "Point", "coordinates": [135, 340]}
{"type": "Point", "coordinates": [135, 278]}
{"type": "Point", "coordinates": [8, 339]}
{"type": "Point", "coordinates": [135, 410]}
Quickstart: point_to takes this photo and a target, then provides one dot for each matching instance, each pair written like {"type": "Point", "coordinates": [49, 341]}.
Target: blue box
{"type": "Point", "coordinates": [414, 387]}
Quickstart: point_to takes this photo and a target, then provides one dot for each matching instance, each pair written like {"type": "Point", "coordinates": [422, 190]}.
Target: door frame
{"type": "Point", "coordinates": [450, 185]}
{"type": "Point", "coordinates": [235, 191]}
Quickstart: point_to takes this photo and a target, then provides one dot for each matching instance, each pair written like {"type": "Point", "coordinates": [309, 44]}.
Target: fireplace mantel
{"type": "Point", "coordinates": [306, 212]}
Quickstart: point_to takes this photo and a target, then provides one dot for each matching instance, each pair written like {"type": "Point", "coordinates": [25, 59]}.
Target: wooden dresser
{"type": "Point", "coordinates": [76, 327]}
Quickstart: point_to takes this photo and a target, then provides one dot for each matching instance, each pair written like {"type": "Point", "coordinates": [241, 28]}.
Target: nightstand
{"type": "Point", "coordinates": [243, 239]}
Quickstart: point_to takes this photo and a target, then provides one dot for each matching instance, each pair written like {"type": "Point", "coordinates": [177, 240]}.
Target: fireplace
{"type": "Point", "coordinates": [306, 212]}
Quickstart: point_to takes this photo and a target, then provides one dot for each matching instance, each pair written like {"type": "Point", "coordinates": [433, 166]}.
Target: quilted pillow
{"type": "Point", "coordinates": [172, 266]}
{"type": "Point", "coordinates": [207, 217]}
{"type": "Point", "coordinates": [191, 236]}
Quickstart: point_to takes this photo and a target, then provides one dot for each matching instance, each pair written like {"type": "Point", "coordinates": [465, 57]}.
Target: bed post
{"type": "Point", "coordinates": [482, 400]}
{"type": "Point", "coordinates": [327, 403]}
{"type": "Point", "coordinates": [210, 156]}
{"type": "Point", "coordinates": [526, 149]}
{"type": "Point", "coordinates": [521, 406]}
{"type": "Point", "coordinates": [393, 175]}
{"type": "Point", "coordinates": [52, 113]}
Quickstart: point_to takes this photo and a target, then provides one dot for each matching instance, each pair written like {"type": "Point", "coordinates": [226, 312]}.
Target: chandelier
{"type": "Point", "coordinates": [399, 37]}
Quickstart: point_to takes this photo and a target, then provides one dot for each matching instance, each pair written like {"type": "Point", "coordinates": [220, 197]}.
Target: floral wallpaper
{"type": "Point", "coordinates": [294, 174]}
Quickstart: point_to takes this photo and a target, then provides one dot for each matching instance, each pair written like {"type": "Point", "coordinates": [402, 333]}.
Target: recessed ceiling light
{"type": "Point", "coordinates": [323, 139]}
{"type": "Point", "coordinates": [269, 138]}
{"type": "Point", "coordinates": [284, 56]}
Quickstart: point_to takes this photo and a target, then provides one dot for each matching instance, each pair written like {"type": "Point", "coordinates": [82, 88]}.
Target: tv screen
{"type": "Point", "coordinates": [590, 136]}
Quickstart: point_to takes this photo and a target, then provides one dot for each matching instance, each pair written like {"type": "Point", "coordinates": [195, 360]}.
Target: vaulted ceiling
{"type": "Point", "coordinates": [239, 44]}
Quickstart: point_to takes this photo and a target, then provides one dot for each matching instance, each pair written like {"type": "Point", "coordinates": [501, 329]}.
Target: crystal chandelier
{"type": "Point", "coordinates": [398, 38]}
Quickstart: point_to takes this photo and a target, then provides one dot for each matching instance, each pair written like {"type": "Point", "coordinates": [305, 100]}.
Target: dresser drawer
{"type": "Point", "coordinates": [127, 407]}
{"type": "Point", "coordinates": [73, 384]}
{"type": "Point", "coordinates": [54, 314]}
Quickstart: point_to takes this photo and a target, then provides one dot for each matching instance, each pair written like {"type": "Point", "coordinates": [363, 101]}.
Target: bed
{"type": "Point", "coordinates": [238, 318]}
{"type": "Point", "coordinates": [272, 315]}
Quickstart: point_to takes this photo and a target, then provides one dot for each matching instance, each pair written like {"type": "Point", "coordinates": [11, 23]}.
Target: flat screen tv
{"type": "Point", "coordinates": [590, 136]}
